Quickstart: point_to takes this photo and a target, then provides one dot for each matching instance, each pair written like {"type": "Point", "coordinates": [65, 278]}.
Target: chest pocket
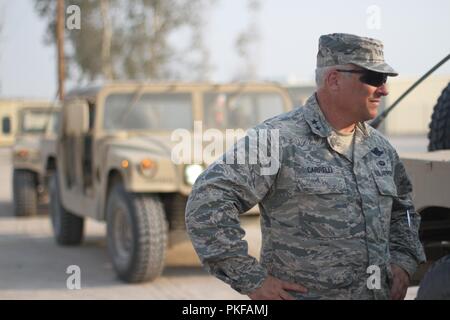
{"type": "Point", "coordinates": [387, 193]}
{"type": "Point", "coordinates": [322, 206]}
{"type": "Point", "coordinates": [321, 184]}
{"type": "Point", "coordinates": [385, 185]}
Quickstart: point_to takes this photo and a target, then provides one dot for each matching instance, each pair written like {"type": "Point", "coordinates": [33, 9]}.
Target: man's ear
{"type": "Point", "coordinates": [332, 80]}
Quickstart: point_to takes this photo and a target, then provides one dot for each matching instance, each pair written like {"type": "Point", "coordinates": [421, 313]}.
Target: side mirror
{"type": "Point", "coordinates": [76, 117]}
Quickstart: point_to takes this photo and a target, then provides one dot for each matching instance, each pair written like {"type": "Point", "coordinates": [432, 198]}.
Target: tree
{"type": "Point", "coordinates": [1, 38]}
{"type": "Point", "coordinates": [247, 44]}
{"type": "Point", "coordinates": [132, 39]}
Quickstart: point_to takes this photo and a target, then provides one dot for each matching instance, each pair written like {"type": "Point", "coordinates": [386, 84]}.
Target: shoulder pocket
{"type": "Point", "coordinates": [322, 184]}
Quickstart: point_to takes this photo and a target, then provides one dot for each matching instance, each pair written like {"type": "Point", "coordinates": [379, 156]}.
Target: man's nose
{"type": "Point", "coordinates": [382, 90]}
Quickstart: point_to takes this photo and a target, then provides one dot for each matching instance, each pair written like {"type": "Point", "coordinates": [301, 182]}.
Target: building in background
{"type": "Point", "coordinates": [413, 115]}
{"type": "Point", "coordinates": [300, 92]}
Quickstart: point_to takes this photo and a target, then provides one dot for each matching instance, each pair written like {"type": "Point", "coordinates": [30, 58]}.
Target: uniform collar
{"type": "Point", "coordinates": [320, 126]}
{"type": "Point", "coordinates": [317, 122]}
{"type": "Point", "coordinates": [315, 118]}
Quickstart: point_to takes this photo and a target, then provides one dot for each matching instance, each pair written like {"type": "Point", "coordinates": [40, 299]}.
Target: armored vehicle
{"type": "Point", "coordinates": [118, 160]}
{"type": "Point", "coordinates": [33, 158]}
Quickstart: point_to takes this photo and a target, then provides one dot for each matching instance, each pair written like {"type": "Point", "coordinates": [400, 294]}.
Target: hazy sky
{"type": "Point", "coordinates": [416, 35]}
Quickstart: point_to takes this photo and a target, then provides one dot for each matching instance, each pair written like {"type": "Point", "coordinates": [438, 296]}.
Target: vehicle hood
{"type": "Point", "coordinates": [27, 142]}
{"type": "Point", "coordinates": [160, 146]}
{"type": "Point", "coordinates": [143, 145]}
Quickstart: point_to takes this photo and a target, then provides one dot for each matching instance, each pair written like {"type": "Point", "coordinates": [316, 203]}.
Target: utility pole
{"type": "Point", "coordinates": [60, 44]}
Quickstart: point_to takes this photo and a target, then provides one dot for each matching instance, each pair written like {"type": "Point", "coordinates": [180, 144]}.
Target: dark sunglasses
{"type": "Point", "coordinates": [372, 78]}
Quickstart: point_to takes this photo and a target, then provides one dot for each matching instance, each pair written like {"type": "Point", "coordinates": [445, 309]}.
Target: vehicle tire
{"type": "Point", "coordinates": [439, 134]}
{"type": "Point", "coordinates": [25, 193]}
{"type": "Point", "coordinates": [137, 235]}
{"type": "Point", "coordinates": [435, 285]}
{"type": "Point", "coordinates": [67, 227]}
{"type": "Point", "coordinates": [175, 208]}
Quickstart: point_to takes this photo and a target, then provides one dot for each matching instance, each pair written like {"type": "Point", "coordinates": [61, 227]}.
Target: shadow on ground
{"type": "Point", "coordinates": [7, 210]}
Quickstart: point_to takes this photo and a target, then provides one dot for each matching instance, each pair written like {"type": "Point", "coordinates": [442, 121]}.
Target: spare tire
{"type": "Point", "coordinates": [439, 134]}
{"type": "Point", "coordinates": [435, 284]}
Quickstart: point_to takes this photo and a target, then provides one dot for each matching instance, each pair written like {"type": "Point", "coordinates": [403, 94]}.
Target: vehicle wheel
{"type": "Point", "coordinates": [175, 208]}
{"type": "Point", "coordinates": [137, 235]}
{"type": "Point", "coordinates": [435, 284]}
{"type": "Point", "coordinates": [439, 134]}
{"type": "Point", "coordinates": [25, 193]}
{"type": "Point", "coordinates": [44, 196]}
{"type": "Point", "coordinates": [67, 227]}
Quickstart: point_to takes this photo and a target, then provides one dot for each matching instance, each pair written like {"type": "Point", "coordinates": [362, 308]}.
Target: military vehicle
{"type": "Point", "coordinates": [115, 161]}
{"type": "Point", "coordinates": [430, 176]}
{"type": "Point", "coordinates": [33, 158]}
{"type": "Point", "coordinates": [9, 115]}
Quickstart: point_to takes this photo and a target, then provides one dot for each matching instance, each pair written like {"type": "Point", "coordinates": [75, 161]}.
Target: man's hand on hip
{"type": "Point", "coordinates": [275, 289]}
{"type": "Point", "coordinates": [400, 283]}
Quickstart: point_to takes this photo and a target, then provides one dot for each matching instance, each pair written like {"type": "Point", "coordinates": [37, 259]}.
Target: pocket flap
{"type": "Point", "coordinates": [386, 186]}
{"type": "Point", "coordinates": [322, 184]}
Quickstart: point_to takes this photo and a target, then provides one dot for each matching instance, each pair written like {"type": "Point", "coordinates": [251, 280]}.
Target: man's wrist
{"type": "Point", "coordinates": [252, 281]}
{"type": "Point", "coordinates": [405, 262]}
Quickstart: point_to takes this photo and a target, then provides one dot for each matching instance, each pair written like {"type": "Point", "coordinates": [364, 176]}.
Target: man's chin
{"type": "Point", "coordinates": [370, 116]}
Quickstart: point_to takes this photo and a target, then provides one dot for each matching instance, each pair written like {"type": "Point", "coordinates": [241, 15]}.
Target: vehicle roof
{"type": "Point", "coordinates": [41, 108]}
{"type": "Point", "coordinates": [93, 90]}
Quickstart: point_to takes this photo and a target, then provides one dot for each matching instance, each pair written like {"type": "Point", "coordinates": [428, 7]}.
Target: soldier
{"type": "Point", "coordinates": [337, 218]}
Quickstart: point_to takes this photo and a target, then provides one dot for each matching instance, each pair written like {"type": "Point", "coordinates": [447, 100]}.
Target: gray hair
{"type": "Point", "coordinates": [321, 73]}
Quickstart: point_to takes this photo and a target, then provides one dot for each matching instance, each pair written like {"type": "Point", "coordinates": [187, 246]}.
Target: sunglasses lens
{"type": "Point", "coordinates": [375, 79]}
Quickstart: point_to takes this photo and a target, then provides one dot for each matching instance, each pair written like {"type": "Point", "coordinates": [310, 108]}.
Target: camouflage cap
{"type": "Point", "coordinates": [341, 48]}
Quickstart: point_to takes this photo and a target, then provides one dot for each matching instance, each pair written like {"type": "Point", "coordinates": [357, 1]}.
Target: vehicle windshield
{"type": "Point", "coordinates": [152, 111]}
{"type": "Point", "coordinates": [34, 121]}
{"type": "Point", "coordinates": [240, 110]}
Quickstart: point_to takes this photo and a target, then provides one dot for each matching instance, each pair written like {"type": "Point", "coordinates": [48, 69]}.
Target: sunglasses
{"type": "Point", "coordinates": [372, 78]}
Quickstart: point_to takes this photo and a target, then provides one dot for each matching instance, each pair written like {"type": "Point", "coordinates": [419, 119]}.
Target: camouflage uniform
{"type": "Point", "coordinates": [325, 218]}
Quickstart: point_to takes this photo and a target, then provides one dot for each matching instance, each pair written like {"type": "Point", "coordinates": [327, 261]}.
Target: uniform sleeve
{"type": "Point", "coordinates": [219, 196]}
{"type": "Point", "coordinates": [405, 247]}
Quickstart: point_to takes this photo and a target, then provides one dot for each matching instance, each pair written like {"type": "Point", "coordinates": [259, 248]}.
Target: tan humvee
{"type": "Point", "coordinates": [9, 117]}
{"type": "Point", "coordinates": [33, 158]}
{"type": "Point", "coordinates": [115, 161]}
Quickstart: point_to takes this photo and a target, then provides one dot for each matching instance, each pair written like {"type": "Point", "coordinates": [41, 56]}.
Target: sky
{"type": "Point", "coordinates": [415, 33]}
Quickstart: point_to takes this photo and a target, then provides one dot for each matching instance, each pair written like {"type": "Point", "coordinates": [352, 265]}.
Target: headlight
{"type": "Point", "coordinates": [28, 155]}
{"type": "Point", "coordinates": [22, 153]}
{"type": "Point", "coordinates": [191, 173]}
{"type": "Point", "coordinates": [125, 164]}
{"type": "Point", "coordinates": [148, 168]}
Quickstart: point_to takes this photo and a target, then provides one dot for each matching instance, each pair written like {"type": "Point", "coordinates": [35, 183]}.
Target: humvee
{"type": "Point", "coordinates": [9, 115]}
{"type": "Point", "coordinates": [33, 158]}
{"type": "Point", "coordinates": [115, 161]}
{"type": "Point", "coordinates": [430, 176]}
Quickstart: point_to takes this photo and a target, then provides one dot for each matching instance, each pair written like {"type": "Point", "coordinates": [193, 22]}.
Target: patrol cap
{"type": "Point", "coordinates": [342, 48]}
